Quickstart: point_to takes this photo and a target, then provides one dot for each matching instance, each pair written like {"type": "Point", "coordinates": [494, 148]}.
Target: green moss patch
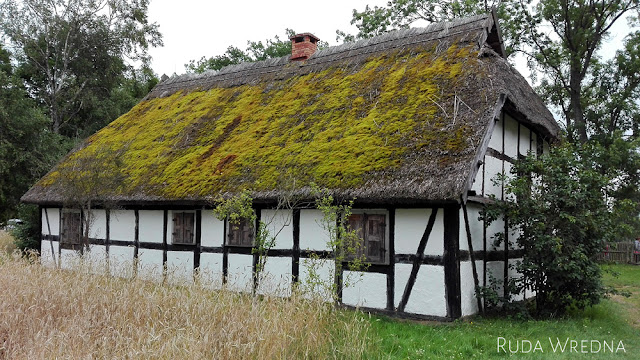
{"type": "Point", "coordinates": [335, 128]}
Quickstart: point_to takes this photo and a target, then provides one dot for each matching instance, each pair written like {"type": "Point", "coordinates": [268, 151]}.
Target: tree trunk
{"type": "Point", "coordinates": [577, 112]}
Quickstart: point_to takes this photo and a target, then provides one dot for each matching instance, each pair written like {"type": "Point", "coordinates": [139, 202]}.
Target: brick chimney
{"type": "Point", "coordinates": [303, 46]}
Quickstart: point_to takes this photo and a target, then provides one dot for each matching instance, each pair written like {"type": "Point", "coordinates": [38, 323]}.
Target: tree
{"type": "Point", "coordinates": [27, 147]}
{"type": "Point", "coordinates": [73, 52]}
{"type": "Point", "coordinates": [255, 51]}
{"type": "Point", "coordinates": [561, 211]}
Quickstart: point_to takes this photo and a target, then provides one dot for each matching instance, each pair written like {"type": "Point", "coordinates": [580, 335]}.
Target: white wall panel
{"type": "Point", "coordinates": [123, 224]}
{"type": "Point", "coordinates": [496, 227]}
{"type": "Point", "coordinates": [54, 221]}
{"type": "Point", "coordinates": [478, 182]}
{"type": "Point", "coordinates": [239, 272]}
{"type": "Point", "coordinates": [312, 235]}
{"type": "Point", "coordinates": [150, 264]}
{"type": "Point", "coordinates": [493, 167]}
{"type": "Point", "coordinates": [495, 270]}
{"type": "Point", "coordinates": [510, 137]}
{"type": "Point", "coordinates": [69, 259]}
{"type": "Point", "coordinates": [367, 290]}
{"type": "Point", "coordinates": [280, 224]}
{"type": "Point", "coordinates": [212, 230]}
{"type": "Point", "coordinates": [45, 253]}
{"type": "Point", "coordinates": [525, 140]}
{"type": "Point", "coordinates": [476, 227]}
{"type": "Point", "coordinates": [151, 224]}
{"type": "Point", "coordinates": [211, 270]}
{"type": "Point", "coordinates": [276, 278]}
{"type": "Point", "coordinates": [121, 260]}
{"type": "Point", "coordinates": [180, 267]}
{"type": "Point", "coordinates": [316, 277]}
{"type": "Point", "coordinates": [496, 137]}
{"type": "Point", "coordinates": [98, 224]}
{"type": "Point", "coordinates": [96, 259]}
{"type": "Point", "coordinates": [468, 297]}
{"type": "Point", "coordinates": [428, 293]}
{"type": "Point", "coordinates": [410, 226]}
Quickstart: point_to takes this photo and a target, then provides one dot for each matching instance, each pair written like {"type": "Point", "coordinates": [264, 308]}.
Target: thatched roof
{"type": "Point", "coordinates": [394, 119]}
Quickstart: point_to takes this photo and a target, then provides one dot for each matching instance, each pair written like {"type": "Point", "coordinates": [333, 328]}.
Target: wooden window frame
{"type": "Point", "coordinates": [247, 235]}
{"type": "Point", "coordinates": [181, 230]}
{"type": "Point", "coordinates": [367, 218]}
{"type": "Point", "coordinates": [70, 241]}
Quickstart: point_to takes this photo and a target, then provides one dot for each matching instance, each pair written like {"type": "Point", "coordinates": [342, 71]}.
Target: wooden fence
{"type": "Point", "coordinates": [619, 252]}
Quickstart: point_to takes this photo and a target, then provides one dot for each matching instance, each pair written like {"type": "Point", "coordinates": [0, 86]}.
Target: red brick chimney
{"type": "Point", "coordinates": [303, 46]}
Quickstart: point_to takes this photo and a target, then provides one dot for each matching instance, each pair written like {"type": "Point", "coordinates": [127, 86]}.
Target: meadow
{"type": "Point", "coordinates": [50, 313]}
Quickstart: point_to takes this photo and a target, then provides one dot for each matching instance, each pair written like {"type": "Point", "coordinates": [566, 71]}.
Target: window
{"type": "Point", "coordinates": [183, 225]}
{"type": "Point", "coordinates": [371, 229]}
{"type": "Point", "coordinates": [71, 232]}
{"type": "Point", "coordinates": [240, 233]}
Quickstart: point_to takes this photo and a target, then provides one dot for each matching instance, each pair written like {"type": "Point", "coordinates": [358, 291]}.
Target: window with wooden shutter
{"type": "Point", "coordinates": [183, 228]}
{"type": "Point", "coordinates": [240, 233]}
{"type": "Point", "coordinates": [71, 232]}
{"type": "Point", "coordinates": [371, 230]}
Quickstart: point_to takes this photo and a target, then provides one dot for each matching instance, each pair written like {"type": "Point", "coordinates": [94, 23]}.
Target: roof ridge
{"type": "Point", "coordinates": [446, 27]}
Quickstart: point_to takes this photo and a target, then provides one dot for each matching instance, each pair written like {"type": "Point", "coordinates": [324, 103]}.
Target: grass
{"type": "Point", "coordinates": [50, 313]}
{"type": "Point", "coordinates": [614, 319]}
{"type": "Point", "coordinates": [6, 242]}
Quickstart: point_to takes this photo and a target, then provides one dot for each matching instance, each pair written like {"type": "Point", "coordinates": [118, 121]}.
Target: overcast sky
{"type": "Point", "coordinates": [195, 28]}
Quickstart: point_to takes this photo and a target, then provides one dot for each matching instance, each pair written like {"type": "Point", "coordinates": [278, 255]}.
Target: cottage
{"type": "Point", "coordinates": [412, 124]}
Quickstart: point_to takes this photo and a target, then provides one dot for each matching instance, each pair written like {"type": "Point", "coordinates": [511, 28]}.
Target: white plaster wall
{"type": "Point", "coordinates": [151, 225]}
{"type": "Point", "coordinates": [69, 259]}
{"type": "Point", "coordinates": [121, 260]}
{"type": "Point", "coordinates": [98, 225]}
{"type": "Point", "coordinates": [280, 224]}
{"type": "Point", "coordinates": [312, 235]}
{"type": "Point", "coordinates": [478, 182]}
{"type": "Point", "coordinates": [315, 277]}
{"type": "Point", "coordinates": [514, 274]}
{"type": "Point", "coordinates": [525, 140]}
{"type": "Point", "coordinates": [496, 138]}
{"type": "Point", "coordinates": [180, 267]}
{"type": "Point", "coordinates": [496, 227]}
{"type": "Point", "coordinates": [123, 224]}
{"type": "Point", "coordinates": [510, 137]}
{"type": "Point", "coordinates": [45, 253]}
{"type": "Point", "coordinates": [54, 221]}
{"type": "Point", "coordinates": [367, 289]}
{"type": "Point", "coordinates": [495, 269]}
{"type": "Point", "coordinates": [96, 258]}
{"type": "Point", "coordinates": [212, 230]}
{"type": "Point", "coordinates": [493, 167]}
{"type": "Point", "coordinates": [534, 144]}
{"type": "Point", "coordinates": [276, 278]}
{"type": "Point", "coordinates": [428, 293]}
{"type": "Point", "coordinates": [239, 272]}
{"type": "Point", "coordinates": [468, 297]}
{"type": "Point", "coordinates": [410, 226]}
{"type": "Point", "coordinates": [545, 147]}
{"type": "Point", "coordinates": [150, 264]}
{"type": "Point", "coordinates": [475, 226]}
{"type": "Point", "coordinates": [211, 270]}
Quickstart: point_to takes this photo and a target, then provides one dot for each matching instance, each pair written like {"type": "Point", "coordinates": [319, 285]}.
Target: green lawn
{"type": "Point", "coordinates": [478, 337]}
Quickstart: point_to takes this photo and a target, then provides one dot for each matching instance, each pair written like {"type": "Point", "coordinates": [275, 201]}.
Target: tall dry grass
{"type": "Point", "coordinates": [49, 313]}
{"type": "Point", "coordinates": [7, 244]}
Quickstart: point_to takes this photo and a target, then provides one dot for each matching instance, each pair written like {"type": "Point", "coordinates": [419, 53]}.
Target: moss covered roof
{"type": "Point", "coordinates": [392, 119]}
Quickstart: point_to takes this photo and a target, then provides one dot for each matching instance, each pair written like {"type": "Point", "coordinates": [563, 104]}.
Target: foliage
{"type": "Point", "coordinates": [27, 148]}
{"type": "Point", "coordinates": [560, 209]}
{"type": "Point", "coordinates": [344, 245]}
{"type": "Point", "coordinates": [74, 53]}
{"type": "Point", "coordinates": [255, 51]}
{"type": "Point", "coordinates": [27, 234]}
